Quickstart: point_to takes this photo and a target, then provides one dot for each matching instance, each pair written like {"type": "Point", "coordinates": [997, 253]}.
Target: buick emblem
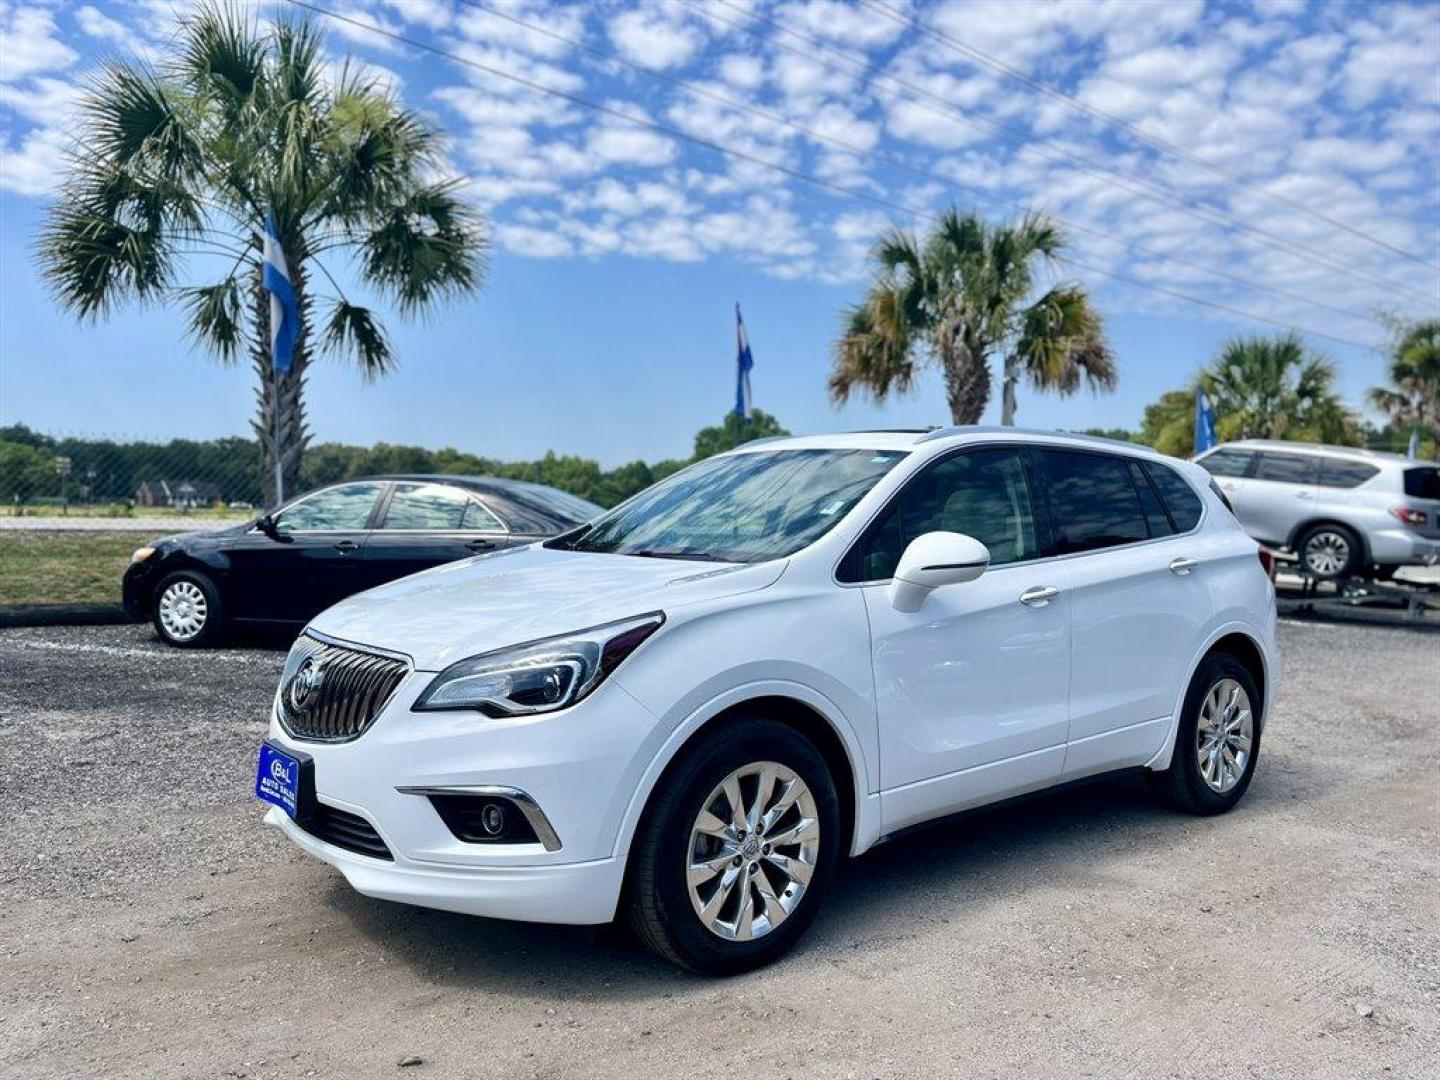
{"type": "Point", "coordinates": [305, 685]}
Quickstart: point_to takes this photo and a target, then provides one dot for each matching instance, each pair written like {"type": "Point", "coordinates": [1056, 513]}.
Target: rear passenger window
{"type": "Point", "coordinates": [1288, 468]}
{"type": "Point", "coordinates": [1337, 473]}
{"type": "Point", "coordinates": [1093, 503]}
{"type": "Point", "coordinates": [1155, 516]}
{"type": "Point", "coordinates": [1422, 483]}
{"type": "Point", "coordinates": [1180, 498]}
{"type": "Point", "coordinates": [1228, 462]}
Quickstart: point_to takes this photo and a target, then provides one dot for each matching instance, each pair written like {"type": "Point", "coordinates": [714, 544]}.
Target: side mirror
{"type": "Point", "coordinates": [267, 525]}
{"type": "Point", "coordinates": [932, 560]}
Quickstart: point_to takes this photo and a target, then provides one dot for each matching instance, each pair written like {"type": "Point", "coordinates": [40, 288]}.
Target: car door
{"type": "Point", "coordinates": [1281, 495]}
{"type": "Point", "coordinates": [1231, 466]}
{"type": "Point", "coordinates": [1139, 603]}
{"type": "Point", "coordinates": [310, 560]}
{"type": "Point", "coordinates": [971, 689]}
{"type": "Point", "coordinates": [424, 524]}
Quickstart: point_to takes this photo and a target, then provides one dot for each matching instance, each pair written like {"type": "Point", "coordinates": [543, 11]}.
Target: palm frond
{"type": "Point", "coordinates": [430, 246]}
{"type": "Point", "coordinates": [353, 329]}
{"type": "Point", "coordinates": [874, 354]}
{"type": "Point", "coordinates": [213, 316]}
{"type": "Point", "coordinates": [221, 53]}
{"type": "Point", "coordinates": [1062, 343]}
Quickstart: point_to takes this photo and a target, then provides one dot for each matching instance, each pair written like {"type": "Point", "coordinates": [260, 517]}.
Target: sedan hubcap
{"type": "Point", "coordinates": [1326, 553]}
{"type": "Point", "coordinates": [183, 610]}
{"type": "Point", "coordinates": [1224, 735]}
{"type": "Point", "coordinates": [752, 851]}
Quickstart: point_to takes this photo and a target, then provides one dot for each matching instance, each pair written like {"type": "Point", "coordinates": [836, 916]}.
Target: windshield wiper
{"type": "Point", "coordinates": [698, 556]}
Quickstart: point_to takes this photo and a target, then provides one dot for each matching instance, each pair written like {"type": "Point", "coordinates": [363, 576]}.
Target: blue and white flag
{"type": "Point", "coordinates": [1204, 423]}
{"type": "Point", "coordinates": [284, 312]}
{"type": "Point", "coordinates": [1413, 450]}
{"type": "Point", "coordinates": [743, 363]}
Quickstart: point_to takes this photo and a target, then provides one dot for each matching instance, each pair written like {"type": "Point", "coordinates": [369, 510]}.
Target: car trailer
{"type": "Point", "coordinates": [1321, 594]}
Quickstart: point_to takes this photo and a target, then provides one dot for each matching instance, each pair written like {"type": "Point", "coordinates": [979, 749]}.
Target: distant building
{"type": "Point", "coordinates": [179, 495]}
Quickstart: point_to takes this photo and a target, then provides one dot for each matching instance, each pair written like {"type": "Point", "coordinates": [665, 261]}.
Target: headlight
{"type": "Point", "coordinates": [141, 554]}
{"type": "Point", "coordinates": [540, 676]}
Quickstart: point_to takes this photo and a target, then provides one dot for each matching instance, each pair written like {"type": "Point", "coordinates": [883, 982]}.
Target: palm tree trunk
{"type": "Point", "coordinates": [279, 422]}
{"type": "Point", "coordinates": [1007, 390]}
{"type": "Point", "coordinates": [967, 376]}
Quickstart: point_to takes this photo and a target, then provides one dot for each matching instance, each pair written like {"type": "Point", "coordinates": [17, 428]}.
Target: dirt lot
{"type": "Point", "coordinates": [149, 927]}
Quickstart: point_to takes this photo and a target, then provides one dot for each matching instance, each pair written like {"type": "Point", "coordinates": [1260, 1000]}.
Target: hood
{"type": "Point", "coordinates": [217, 536]}
{"type": "Point", "coordinates": [522, 594]}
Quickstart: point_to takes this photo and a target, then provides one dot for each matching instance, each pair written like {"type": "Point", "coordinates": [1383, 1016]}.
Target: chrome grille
{"type": "Point", "coordinates": [332, 693]}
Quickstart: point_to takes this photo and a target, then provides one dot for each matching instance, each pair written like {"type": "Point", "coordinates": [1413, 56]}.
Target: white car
{"type": "Point", "coordinates": [688, 711]}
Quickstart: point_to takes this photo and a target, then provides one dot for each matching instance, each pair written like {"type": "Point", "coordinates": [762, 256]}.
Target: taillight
{"type": "Point", "coordinates": [1409, 515]}
{"type": "Point", "coordinates": [1267, 562]}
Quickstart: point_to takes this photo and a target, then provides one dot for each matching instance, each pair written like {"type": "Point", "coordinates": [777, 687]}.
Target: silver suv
{"type": "Point", "coordinates": [1343, 511]}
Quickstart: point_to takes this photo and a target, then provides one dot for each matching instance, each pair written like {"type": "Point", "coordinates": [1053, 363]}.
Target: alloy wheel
{"type": "Point", "coordinates": [1326, 553]}
{"type": "Point", "coordinates": [183, 610]}
{"type": "Point", "coordinates": [752, 851]}
{"type": "Point", "coordinates": [1224, 736]}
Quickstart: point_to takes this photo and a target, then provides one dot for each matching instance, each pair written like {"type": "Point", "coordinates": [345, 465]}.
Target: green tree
{"type": "Point", "coordinates": [1413, 397]}
{"type": "Point", "coordinates": [180, 165]}
{"type": "Point", "coordinates": [25, 472]}
{"type": "Point", "coordinates": [1169, 424]}
{"type": "Point", "coordinates": [1273, 388]}
{"type": "Point", "coordinates": [957, 299]}
{"type": "Point", "coordinates": [735, 431]}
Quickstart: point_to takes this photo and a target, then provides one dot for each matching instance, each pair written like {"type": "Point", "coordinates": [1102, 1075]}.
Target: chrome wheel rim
{"type": "Point", "coordinates": [1224, 735]}
{"type": "Point", "coordinates": [1326, 553]}
{"type": "Point", "coordinates": [752, 851]}
{"type": "Point", "coordinates": [183, 610]}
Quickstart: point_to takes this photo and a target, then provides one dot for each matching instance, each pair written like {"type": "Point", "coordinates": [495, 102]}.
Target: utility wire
{"type": "Point", "coordinates": [983, 58]}
{"type": "Point", "coordinates": [797, 174]}
{"type": "Point", "coordinates": [901, 163]}
{"type": "Point", "coordinates": [949, 110]}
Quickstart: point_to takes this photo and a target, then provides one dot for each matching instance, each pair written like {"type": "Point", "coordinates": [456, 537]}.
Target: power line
{"type": "Point", "coordinates": [1156, 142]}
{"type": "Point", "coordinates": [900, 163]}
{"type": "Point", "coordinates": [797, 174]}
{"type": "Point", "coordinates": [950, 111]}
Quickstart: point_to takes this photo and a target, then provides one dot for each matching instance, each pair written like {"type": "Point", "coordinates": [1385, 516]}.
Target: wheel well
{"type": "Point", "coordinates": [795, 714]}
{"type": "Point", "coordinates": [1244, 649]}
{"type": "Point", "coordinates": [1304, 527]}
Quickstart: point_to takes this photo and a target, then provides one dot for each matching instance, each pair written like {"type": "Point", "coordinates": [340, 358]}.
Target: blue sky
{"type": "Point", "coordinates": [606, 328]}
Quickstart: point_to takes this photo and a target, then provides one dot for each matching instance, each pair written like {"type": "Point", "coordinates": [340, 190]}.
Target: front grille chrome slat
{"type": "Point", "coordinates": [332, 692]}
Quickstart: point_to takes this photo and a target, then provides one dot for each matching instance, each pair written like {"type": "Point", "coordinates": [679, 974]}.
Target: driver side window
{"type": "Point", "coordinates": [981, 493]}
{"type": "Point", "coordinates": [339, 509]}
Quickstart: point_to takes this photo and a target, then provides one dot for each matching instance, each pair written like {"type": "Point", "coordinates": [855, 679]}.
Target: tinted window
{"type": "Point", "coordinates": [1288, 468]}
{"type": "Point", "coordinates": [1344, 474]}
{"type": "Point", "coordinates": [346, 507]}
{"type": "Point", "coordinates": [1422, 483]}
{"type": "Point", "coordinates": [1092, 501]}
{"type": "Point", "coordinates": [1180, 498]}
{"type": "Point", "coordinates": [1228, 462]}
{"type": "Point", "coordinates": [983, 494]}
{"type": "Point", "coordinates": [437, 506]}
{"type": "Point", "coordinates": [1155, 517]}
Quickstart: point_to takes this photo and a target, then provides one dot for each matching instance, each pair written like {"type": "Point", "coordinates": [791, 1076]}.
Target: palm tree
{"type": "Point", "coordinates": [1272, 388]}
{"type": "Point", "coordinates": [178, 166]}
{"type": "Point", "coordinates": [959, 298]}
{"type": "Point", "coordinates": [1414, 372]}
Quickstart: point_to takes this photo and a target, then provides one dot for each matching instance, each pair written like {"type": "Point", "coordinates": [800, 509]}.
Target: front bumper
{"type": "Point", "coordinates": [581, 766]}
{"type": "Point", "coordinates": [576, 893]}
{"type": "Point", "coordinates": [137, 588]}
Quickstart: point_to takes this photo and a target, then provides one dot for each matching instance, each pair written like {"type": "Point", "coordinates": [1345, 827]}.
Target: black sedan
{"type": "Point", "coordinates": [291, 564]}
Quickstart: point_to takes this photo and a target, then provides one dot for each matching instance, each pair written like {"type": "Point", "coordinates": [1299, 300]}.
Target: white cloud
{"type": "Point", "coordinates": [742, 71]}
{"type": "Point", "coordinates": [45, 100]}
{"type": "Point", "coordinates": [99, 25]}
{"type": "Point", "coordinates": [28, 42]}
{"type": "Point", "coordinates": [431, 14]}
{"type": "Point", "coordinates": [538, 243]}
{"type": "Point", "coordinates": [655, 36]}
{"type": "Point", "coordinates": [35, 166]}
{"type": "Point", "coordinates": [845, 23]}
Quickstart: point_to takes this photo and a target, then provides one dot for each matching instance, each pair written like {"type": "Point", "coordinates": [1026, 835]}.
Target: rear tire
{"type": "Point", "coordinates": [1329, 552]}
{"type": "Point", "coordinates": [186, 610]}
{"type": "Point", "coordinates": [716, 897]}
{"type": "Point", "coordinates": [1218, 742]}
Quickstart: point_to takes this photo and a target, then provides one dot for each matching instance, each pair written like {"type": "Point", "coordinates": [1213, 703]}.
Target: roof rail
{"type": "Point", "coordinates": [998, 429]}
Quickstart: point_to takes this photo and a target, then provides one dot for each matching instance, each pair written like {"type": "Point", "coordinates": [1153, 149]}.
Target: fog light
{"type": "Point", "coordinates": [492, 819]}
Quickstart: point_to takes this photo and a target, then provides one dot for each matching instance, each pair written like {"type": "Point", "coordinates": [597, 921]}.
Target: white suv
{"type": "Point", "coordinates": [1342, 511]}
{"type": "Point", "coordinates": [692, 708]}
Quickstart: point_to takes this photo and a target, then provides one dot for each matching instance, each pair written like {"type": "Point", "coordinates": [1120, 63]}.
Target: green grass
{"type": "Point", "coordinates": [63, 567]}
{"type": "Point", "coordinates": [120, 510]}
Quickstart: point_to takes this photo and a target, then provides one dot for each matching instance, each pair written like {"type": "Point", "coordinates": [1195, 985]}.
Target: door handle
{"type": "Point", "coordinates": [1040, 596]}
{"type": "Point", "coordinates": [346, 546]}
{"type": "Point", "coordinates": [479, 544]}
{"type": "Point", "coordinates": [1304, 495]}
{"type": "Point", "coordinates": [1183, 565]}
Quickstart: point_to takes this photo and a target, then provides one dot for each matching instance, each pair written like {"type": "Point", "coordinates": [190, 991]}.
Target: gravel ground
{"type": "Point", "coordinates": [149, 927]}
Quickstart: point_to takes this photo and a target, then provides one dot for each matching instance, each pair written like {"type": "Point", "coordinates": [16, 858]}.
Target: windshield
{"type": "Point", "coordinates": [745, 507]}
{"type": "Point", "coordinates": [552, 501]}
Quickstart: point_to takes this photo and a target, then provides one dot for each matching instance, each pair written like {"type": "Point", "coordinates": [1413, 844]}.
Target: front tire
{"type": "Point", "coordinates": [1329, 552]}
{"type": "Point", "coordinates": [1218, 742]}
{"type": "Point", "coordinates": [186, 610]}
{"type": "Point", "coordinates": [736, 850]}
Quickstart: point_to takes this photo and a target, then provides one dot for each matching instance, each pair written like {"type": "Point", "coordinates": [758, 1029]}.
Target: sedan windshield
{"type": "Point", "coordinates": [745, 507]}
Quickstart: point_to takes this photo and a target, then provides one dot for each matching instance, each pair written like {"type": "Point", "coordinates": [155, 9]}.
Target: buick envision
{"type": "Point", "coordinates": [690, 709]}
{"type": "Point", "coordinates": [1343, 511]}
